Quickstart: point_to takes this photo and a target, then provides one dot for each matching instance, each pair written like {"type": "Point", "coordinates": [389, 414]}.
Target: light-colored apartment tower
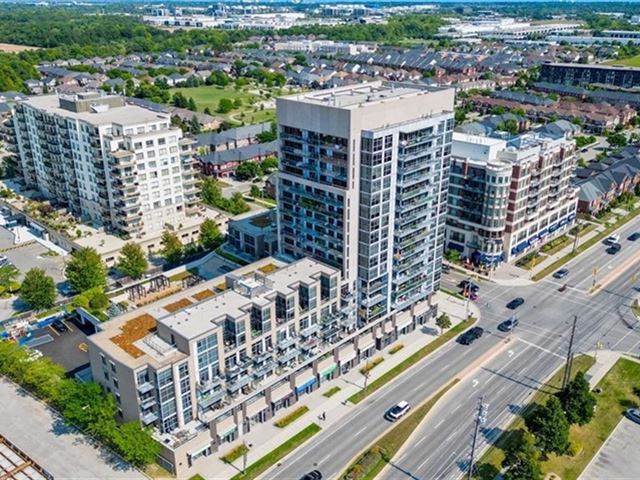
{"type": "Point", "coordinates": [506, 198]}
{"type": "Point", "coordinates": [117, 165]}
{"type": "Point", "coordinates": [362, 187]}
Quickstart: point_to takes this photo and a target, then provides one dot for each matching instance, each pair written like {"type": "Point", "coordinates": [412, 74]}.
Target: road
{"type": "Point", "coordinates": [507, 380]}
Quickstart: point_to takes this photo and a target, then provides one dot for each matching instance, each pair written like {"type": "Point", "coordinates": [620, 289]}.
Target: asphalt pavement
{"type": "Point", "coordinates": [440, 450]}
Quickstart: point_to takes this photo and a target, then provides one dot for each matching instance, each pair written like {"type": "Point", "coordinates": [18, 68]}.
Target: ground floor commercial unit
{"type": "Point", "coordinates": [274, 398]}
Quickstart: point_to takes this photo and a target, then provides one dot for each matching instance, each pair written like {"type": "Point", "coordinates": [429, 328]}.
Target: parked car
{"type": "Point", "coordinates": [563, 272]}
{"type": "Point", "coordinates": [470, 336]}
{"type": "Point", "coordinates": [633, 414]}
{"type": "Point", "coordinates": [615, 238]}
{"type": "Point", "coordinates": [633, 237]}
{"type": "Point", "coordinates": [445, 268]}
{"type": "Point", "coordinates": [398, 411]}
{"type": "Point", "coordinates": [314, 475]}
{"type": "Point", "coordinates": [614, 248]}
{"type": "Point", "coordinates": [59, 326]}
{"type": "Point", "coordinates": [515, 303]}
{"type": "Point", "coordinates": [3, 260]}
{"type": "Point", "coordinates": [508, 325]}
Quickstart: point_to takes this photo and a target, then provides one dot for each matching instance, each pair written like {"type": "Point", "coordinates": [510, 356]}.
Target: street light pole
{"type": "Point", "coordinates": [244, 456]}
{"type": "Point", "coordinates": [481, 418]}
{"type": "Point", "coordinates": [575, 238]}
{"type": "Point", "coordinates": [567, 369]}
{"type": "Point", "coordinates": [467, 291]}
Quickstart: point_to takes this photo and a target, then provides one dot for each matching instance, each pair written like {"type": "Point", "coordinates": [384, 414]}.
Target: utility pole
{"type": "Point", "coordinates": [575, 238]}
{"type": "Point", "coordinates": [468, 294]}
{"type": "Point", "coordinates": [567, 369]}
{"type": "Point", "coordinates": [244, 456]}
{"type": "Point", "coordinates": [481, 418]}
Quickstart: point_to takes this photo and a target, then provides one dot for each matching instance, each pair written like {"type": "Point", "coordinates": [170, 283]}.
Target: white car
{"type": "Point", "coordinates": [398, 411]}
{"type": "Point", "coordinates": [615, 238]}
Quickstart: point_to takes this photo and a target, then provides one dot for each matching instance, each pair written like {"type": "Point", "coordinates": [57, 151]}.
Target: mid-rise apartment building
{"type": "Point", "coordinates": [506, 198]}
{"type": "Point", "coordinates": [116, 165]}
{"type": "Point", "coordinates": [204, 366]}
{"type": "Point", "coordinates": [362, 187]}
{"type": "Point", "coordinates": [585, 74]}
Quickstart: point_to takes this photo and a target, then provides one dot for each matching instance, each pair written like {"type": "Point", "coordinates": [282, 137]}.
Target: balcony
{"type": "Point", "coordinates": [239, 382]}
{"type": "Point", "coordinates": [287, 342]}
{"type": "Point", "coordinates": [149, 418]}
{"type": "Point", "coordinates": [287, 357]}
{"type": "Point", "coordinates": [145, 387]}
{"type": "Point", "coordinates": [211, 398]}
{"type": "Point", "coordinates": [148, 403]}
{"type": "Point", "coordinates": [264, 369]}
{"type": "Point", "coordinates": [307, 332]}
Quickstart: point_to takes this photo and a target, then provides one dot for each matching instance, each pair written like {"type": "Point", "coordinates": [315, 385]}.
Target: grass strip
{"type": "Point", "coordinates": [396, 348]}
{"type": "Point", "coordinates": [586, 245]}
{"type": "Point", "coordinates": [235, 454]}
{"type": "Point", "coordinates": [292, 417]}
{"type": "Point", "coordinates": [371, 462]}
{"type": "Point", "coordinates": [370, 365]}
{"type": "Point", "coordinates": [411, 360]}
{"type": "Point", "coordinates": [490, 463]}
{"type": "Point", "coordinates": [275, 455]}
{"type": "Point", "coordinates": [331, 392]}
{"type": "Point", "coordinates": [452, 293]}
{"type": "Point", "coordinates": [555, 245]}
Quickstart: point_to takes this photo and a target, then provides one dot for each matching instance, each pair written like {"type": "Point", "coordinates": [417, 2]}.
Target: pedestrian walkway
{"type": "Point", "coordinates": [265, 437]}
{"type": "Point", "coordinates": [605, 360]}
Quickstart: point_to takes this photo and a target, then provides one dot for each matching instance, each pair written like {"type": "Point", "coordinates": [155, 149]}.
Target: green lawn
{"type": "Point", "coordinates": [210, 96]}
{"type": "Point", "coordinates": [412, 360]}
{"type": "Point", "coordinates": [489, 464]}
{"type": "Point", "coordinates": [629, 62]}
{"type": "Point", "coordinates": [256, 469]}
{"type": "Point", "coordinates": [370, 463]}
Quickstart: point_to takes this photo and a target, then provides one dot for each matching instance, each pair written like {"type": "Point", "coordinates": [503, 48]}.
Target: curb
{"type": "Point", "coordinates": [595, 455]}
{"type": "Point", "coordinates": [611, 276]}
{"type": "Point", "coordinates": [459, 377]}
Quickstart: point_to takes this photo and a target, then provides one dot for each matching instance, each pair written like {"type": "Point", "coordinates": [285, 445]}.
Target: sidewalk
{"type": "Point", "coordinates": [509, 275]}
{"type": "Point", "coordinates": [266, 437]}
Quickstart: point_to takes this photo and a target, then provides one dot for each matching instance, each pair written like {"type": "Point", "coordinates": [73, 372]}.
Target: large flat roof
{"type": "Point", "coordinates": [353, 96]}
{"type": "Point", "coordinates": [124, 115]}
{"type": "Point", "coordinates": [599, 66]}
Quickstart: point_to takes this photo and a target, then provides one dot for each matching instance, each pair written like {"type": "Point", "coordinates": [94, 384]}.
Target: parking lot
{"type": "Point", "coordinates": [618, 457]}
{"type": "Point", "coordinates": [67, 348]}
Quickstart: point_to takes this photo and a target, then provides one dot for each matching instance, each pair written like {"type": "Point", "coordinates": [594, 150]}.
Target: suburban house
{"type": "Point", "coordinates": [222, 164]}
{"type": "Point", "coordinates": [230, 139]}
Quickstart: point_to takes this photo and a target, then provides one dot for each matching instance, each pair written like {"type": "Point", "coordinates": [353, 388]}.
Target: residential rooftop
{"type": "Point", "coordinates": [354, 96]}
{"type": "Point", "coordinates": [591, 65]}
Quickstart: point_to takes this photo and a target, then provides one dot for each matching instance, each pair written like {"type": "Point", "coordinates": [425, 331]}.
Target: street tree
{"type": "Point", "coordinates": [172, 248]}
{"type": "Point", "coordinates": [136, 444]}
{"type": "Point", "coordinates": [550, 426]}
{"type": "Point", "coordinates": [133, 262]}
{"type": "Point", "coordinates": [9, 278]}
{"type": "Point", "coordinates": [86, 270]}
{"type": "Point", "coordinates": [443, 322]}
{"type": "Point", "coordinates": [578, 401]}
{"type": "Point", "coordinates": [224, 105]}
{"type": "Point", "coordinates": [38, 289]}
{"type": "Point", "coordinates": [210, 237]}
{"type": "Point", "coordinates": [255, 191]}
{"type": "Point", "coordinates": [521, 457]}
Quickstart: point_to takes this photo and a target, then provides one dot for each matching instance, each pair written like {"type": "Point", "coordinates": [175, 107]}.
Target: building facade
{"type": "Point", "coordinates": [206, 365]}
{"type": "Point", "coordinates": [506, 198]}
{"type": "Point", "coordinates": [255, 235]}
{"type": "Point", "coordinates": [583, 74]}
{"type": "Point", "coordinates": [117, 165]}
{"type": "Point", "coordinates": [362, 187]}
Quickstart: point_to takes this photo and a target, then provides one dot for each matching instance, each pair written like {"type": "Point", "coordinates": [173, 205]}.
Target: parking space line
{"type": "Point", "coordinates": [53, 330]}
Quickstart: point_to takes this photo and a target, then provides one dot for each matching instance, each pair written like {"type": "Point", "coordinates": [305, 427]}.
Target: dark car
{"type": "Point", "coordinates": [445, 268]}
{"type": "Point", "coordinates": [633, 414]}
{"type": "Point", "coordinates": [563, 272]}
{"type": "Point", "coordinates": [467, 285]}
{"type": "Point", "coordinates": [468, 337]}
{"type": "Point", "coordinates": [634, 236]}
{"type": "Point", "coordinates": [59, 326]}
{"type": "Point", "coordinates": [515, 303]}
{"type": "Point", "coordinates": [315, 475]}
{"type": "Point", "coordinates": [508, 325]}
{"type": "Point", "coordinates": [614, 248]}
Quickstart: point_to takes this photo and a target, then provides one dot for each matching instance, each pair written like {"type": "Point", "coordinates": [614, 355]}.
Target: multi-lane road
{"type": "Point", "coordinates": [441, 446]}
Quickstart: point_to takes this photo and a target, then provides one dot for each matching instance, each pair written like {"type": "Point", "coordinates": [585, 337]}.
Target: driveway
{"type": "Point", "coordinates": [60, 449]}
{"type": "Point", "coordinates": [618, 458]}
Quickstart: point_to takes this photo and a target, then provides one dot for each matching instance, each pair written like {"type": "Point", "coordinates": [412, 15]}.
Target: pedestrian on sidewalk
{"type": "Point", "coordinates": [324, 416]}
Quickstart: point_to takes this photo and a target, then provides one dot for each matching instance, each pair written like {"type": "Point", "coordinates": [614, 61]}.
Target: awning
{"type": "Point", "coordinates": [571, 217]}
{"type": "Point", "coordinates": [329, 370]}
{"type": "Point", "coordinates": [563, 222]}
{"type": "Point", "coordinates": [305, 377]}
{"type": "Point", "coordinates": [455, 246]}
{"type": "Point", "coordinates": [521, 246]}
{"type": "Point", "coordinates": [326, 362]}
{"type": "Point", "coordinates": [306, 384]}
{"type": "Point", "coordinates": [553, 227]}
{"type": "Point", "coordinates": [544, 231]}
{"type": "Point", "coordinates": [532, 240]}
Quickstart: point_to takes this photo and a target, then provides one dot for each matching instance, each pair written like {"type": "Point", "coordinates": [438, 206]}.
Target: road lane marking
{"type": "Point", "coordinates": [326, 457]}
{"type": "Point", "coordinates": [423, 463]}
{"type": "Point", "coordinates": [421, 440]}
{"type": "Point", "coordinates": [435, 427]}
{"type": "Point", "coordinates": [361, 430]}
{"type": "Point", "coordinates": [539, 347]}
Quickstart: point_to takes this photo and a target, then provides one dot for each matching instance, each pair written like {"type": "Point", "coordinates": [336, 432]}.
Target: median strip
{"type": "Point", "coordinates": [586, 245]}
{"type": "Point", "coordinates": [274, 456]}
{"type": "Point", "coordinates": [374, 459]}
{"type": "Point", "coordinates": [411, 360]}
